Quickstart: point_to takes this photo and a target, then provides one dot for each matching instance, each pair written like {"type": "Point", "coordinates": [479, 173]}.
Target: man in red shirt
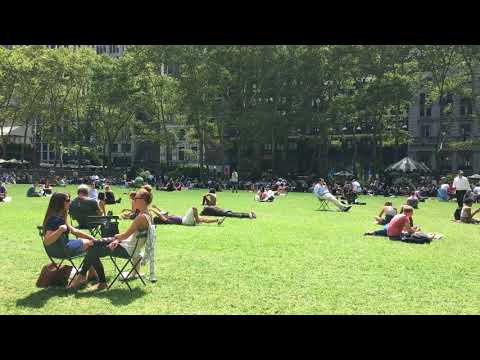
{"type": "Point", "coordinates": [401, 223]}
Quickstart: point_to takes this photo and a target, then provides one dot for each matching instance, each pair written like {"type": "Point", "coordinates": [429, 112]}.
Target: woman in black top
{"type": "Point", "coordinates": [56, 230]}
{"type": "Point", "coordinates": [110, 196]}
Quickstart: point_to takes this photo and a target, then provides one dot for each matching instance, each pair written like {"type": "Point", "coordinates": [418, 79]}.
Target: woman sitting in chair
{"type": "Point", "coordinates": [56, 230]}
{"type": "Point", "coordinates": [121, 245]}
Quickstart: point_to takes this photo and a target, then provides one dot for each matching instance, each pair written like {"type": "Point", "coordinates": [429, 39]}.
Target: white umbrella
{"type": "Point", "coordinates": [475, 177]}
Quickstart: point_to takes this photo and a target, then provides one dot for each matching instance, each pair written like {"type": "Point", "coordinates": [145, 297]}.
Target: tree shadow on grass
{"type": "Point", "coordinates": [118, 297]}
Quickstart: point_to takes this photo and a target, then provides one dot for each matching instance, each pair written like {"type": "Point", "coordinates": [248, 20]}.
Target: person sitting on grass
{"type": "Point", "coordinates": [82, 207]}
{"type": "Point", "coordinates": [322, 193]}
{"type": "Point", "coordinates": [102, 203]}
{"type": "Point", "coordinates": [3, 192]}
{"type": "Point", "coordinates": [389, 211]}
{"type": "Point", "coordinates": [110, 196]}
{"type": "Point", "coordinates": [466, 216]}
{"type": "Point", "coordinates": [442, 193]}
{"type": "Point", "coordinates": [399, 229]}
{"type": "Point", "coordinates": [209, 201]}
{"type": "Point", "coordinates": [191, 218]}
{"type": "Point", "coordinates": [412, 200]}
{"type": "Point", "coordinates": [476, 192]}
{"type": "Point", "coordinates": [32, 192]}
{"type": "Point", "coordinates": [121, 245]}
{"type": "Point", "coordinates": [47, 189]}
{"type": "Point", "coordinates": [56, 230]}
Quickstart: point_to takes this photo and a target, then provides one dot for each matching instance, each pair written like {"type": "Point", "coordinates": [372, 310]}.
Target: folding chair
{"type": "Point", "coordinates": [323, 205]}
{"type": "Point", "coordinates": [97, 225]}
{"type": "Point", "coordinates": [130, 260]}
{"type": "Point", "coordinates": [63, 258]}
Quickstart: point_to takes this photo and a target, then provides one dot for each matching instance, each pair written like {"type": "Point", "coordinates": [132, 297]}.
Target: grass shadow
{"type": "Point", "coordinates": [38, 299]}
{"type": "Point", "coordinates": [118, 297]}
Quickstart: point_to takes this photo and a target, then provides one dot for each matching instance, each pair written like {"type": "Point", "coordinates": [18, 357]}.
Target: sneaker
{"type": "Point", "coordinates": [220, 221]}
{"type": "Point", "coordinates": [253, 215]}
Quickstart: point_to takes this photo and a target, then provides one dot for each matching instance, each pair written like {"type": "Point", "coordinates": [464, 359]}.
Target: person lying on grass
{"type": "Point", "coordinates": [389, 212]}
{"type": "Point", "coordinates": [191, 218]}
{"type": "Point", "coordinates": [209, 201]}
{"type": "Point", "coordinates": [264, 195]}
{"type": "Point", "coordinates": [121, 245]}
{"type": "Point", "coordinates": [399, 229]}
{"type": "Point", "coordinates": [466, 216]}
{"type": "Point", "coordinates": [56, 230]}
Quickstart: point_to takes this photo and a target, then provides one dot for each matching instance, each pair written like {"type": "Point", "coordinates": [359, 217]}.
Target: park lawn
{"type": "Point", "coordinates": [291, 260]}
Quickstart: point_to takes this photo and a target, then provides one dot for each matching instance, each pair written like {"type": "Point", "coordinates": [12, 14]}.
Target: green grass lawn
{"type": "Point", "coordinates": [291, 260]}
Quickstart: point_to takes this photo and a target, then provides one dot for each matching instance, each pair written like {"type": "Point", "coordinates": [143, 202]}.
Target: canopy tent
{"type": "Point", "coordinates": [343, 173]}
{"type": "Point", "coordinates": [475, 177]}
{"type": "Point", "coordinates": [408, 165]}
{"type": "Point", "coordinates": [2, 161]}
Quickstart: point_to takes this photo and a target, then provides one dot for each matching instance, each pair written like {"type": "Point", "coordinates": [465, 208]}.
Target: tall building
{"type": "Point", "coordinates": [446, 149]}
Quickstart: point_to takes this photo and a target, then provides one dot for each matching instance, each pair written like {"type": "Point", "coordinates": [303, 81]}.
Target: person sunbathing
{"type": "Point", "coordinates": [389, 211]}
{"type": "Point", "coordinates": [265, 195]}
{"type": "Point", "coordinates": [466, 216]}
{"type": "Point", "coordinates": [209, 201]}
{"type": "Point", "coordinates": [190, 218]}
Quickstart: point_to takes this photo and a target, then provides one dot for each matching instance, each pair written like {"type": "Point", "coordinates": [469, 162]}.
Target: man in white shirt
{"type": "Point", "coordinates": [322, 193]}
{"type": "Point", "coordinates": [461, 185]}
{"type": "Point", "coordinates": [234, 181]}
{"type": "Point", "coordinates": [356, 187]}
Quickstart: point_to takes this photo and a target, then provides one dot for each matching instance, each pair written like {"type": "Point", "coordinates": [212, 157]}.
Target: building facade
{"type": "Point", "coordinates": [449, 148]}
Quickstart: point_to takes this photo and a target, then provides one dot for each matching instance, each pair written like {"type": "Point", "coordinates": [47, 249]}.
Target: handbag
{"type": "Point", "coordinates": [51, 276]}
{"type": "Point", "coordinates": [109, 229]}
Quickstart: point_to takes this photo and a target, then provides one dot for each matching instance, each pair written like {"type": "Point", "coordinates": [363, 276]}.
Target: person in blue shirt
{"type": "Point", "coordinates": [32, 192]}
{"type": "Point", "coordinates": [322, 193]}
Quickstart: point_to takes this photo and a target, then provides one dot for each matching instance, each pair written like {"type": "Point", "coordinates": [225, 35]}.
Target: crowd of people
{"type": "Point", "coordinates": [95, 194]}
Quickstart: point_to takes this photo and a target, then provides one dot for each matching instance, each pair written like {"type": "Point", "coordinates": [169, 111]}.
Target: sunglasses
{"type": "Point", "coordinates": [67, 200]}
{"type": "Point", "coordinates": [138, 198]}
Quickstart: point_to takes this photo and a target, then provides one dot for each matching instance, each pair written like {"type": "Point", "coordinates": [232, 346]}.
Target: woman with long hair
{"type": "Point", "coordinates": [121, 245]}
{"type": "Point", "coordinates": [56, 230]}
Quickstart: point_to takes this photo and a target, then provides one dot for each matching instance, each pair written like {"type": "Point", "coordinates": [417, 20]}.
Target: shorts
{"type": "Point", "coordinates": [74, 247]}
{"type": "Point", "coordinates": [189, 219]}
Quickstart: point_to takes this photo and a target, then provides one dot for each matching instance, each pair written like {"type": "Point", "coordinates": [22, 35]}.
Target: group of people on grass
{"type": "Point", "coordinates": [143, 213]}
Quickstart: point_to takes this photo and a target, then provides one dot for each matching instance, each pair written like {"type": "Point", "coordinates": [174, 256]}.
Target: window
{"type": "Point", "coordinates": [425, 109]}
{"type": "Point", "coordinates": [126, 147]}
{"type": "Point", "coordinates": [429, 111]}
{"type": "Point", "coordinates": [279, 147]}
{"type": "Point", "coordinates": [268, 147]}
{"type": "Point", "coordinates": [114, 147]}
{"type": "Point", "coordinates": [181, 153]}
{"type": "Point", "coordinates": [465, 107]}
{"type": "Point", "coordinates": [292, 146]}
{"type": "Point", "coordinates": [465, 130]}
{"type": "Point", "coordinates": [425, 131]}
{"type": "Point", "coordinates": [467, 162]}
{"type": "Point", "coordinates": [181, 134]}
